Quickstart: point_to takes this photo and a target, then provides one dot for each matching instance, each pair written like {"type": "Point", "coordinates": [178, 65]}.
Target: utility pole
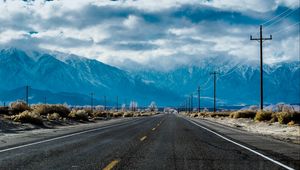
{"type": "Point", "coordinates": [186, 105]}
{"type": "Point", "coordinates": [192, 96]}
{"type": "Point", "coordinates": [92, 101]}
{"type": "Point", "coordinates": [198, 98]}
{"type": "Point", "coordinates": [215, 88]}
{"type": "Point", "coordinates": [261, 39]}
{"type": "Point", "coordinates": [27, 93]}
{"type": "Point", "coordinates": [189, 104]}
{"type": "Point", "coordinates": [104, 102]}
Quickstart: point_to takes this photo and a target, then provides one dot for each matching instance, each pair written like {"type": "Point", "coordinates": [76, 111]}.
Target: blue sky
{"type": "Point", "coordinates": [153, 34]}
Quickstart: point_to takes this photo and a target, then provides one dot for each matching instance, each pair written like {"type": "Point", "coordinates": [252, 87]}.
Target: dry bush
{"type": "Point", "coordinates": [18, 107]}
{"type": "Point", "coordinates": [286, 117]}
{"type": "Point", "coordinates": [243, 114]}
{"type": "Point", "coordinates": [137, 114]}
{"type": "Point", "coordinates": [28, 117]}
{"type": "Point", "coordinates": [219, 114]}
{"type": "Point", "coordinates": [79, 115]}
{"type": "Point", "coordinates": [89, 112]}
{"type": "Point", "coordinates": [53, 116]}
{"type": "Point", "coordinates": [263, 116]}
{"type": "Point", "coordinates": [44, 109]}
{"type": "Point", "coordinates": [146, 114]}
{"type": "Point", "coordinates": [117, 114]}
{"type": "Point", "coordinates": [194, 115]}
{"type": "Point", "coordinates": [99, 113]}
{"type": "Point", "coordinates": [4, 110]}
{"type": "Point", "coordinates": [128, 114]}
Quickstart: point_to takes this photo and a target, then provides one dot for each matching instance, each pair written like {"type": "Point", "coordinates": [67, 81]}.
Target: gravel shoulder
{"type": "Point", "coordinates": [287, 133]}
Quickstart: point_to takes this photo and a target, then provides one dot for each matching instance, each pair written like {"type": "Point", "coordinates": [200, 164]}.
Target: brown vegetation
{"type": "Point", "coordinates": [18, 107]}
{"type": "Point", "coordinates": [243, 114]}
{"type": "Point", "coordinates": [28, 117]}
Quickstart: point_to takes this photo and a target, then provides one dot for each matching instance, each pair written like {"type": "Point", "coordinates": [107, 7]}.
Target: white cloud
{"type": "Point", "coordinates": [80, 27]}
{"type": "Point", "coordinates": [132, 21]}
{"type": "Point", "coordinates": [9, 35]}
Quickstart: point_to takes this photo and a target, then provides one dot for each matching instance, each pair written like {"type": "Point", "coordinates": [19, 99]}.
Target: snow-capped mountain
{"type": "Point", "coordinates": [237, 83]}
{"type": "Point", "coordinates": [73, 74]}
{"type": "Point", "coordinates": [64, 75]}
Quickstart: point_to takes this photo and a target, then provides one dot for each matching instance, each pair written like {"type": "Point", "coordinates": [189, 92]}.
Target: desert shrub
{"type": "Point", "coordinates": [4, 110]}
{"type": "Point", "coordinates": [194, 115]}
{"type": "Point", "coordinates": [286, 117]}
{"type": "Point", "coordinates": [89, 112]}
{"type": "Point", "coordinates": [28, 117]}
{"type": "Point", "coordinates": [116, 114]}
{"type": "Point", "coordinates": [128, 114]}
{"type": "Point", "coordinates": [78, 115]}
{"type": "Point", "coordinates": [53, 116]}
{"type": "Point", "coordinates": [243, 114]}
{"type": "Point", "coordinates": [99, 113]}
{"type": "Point", "coordinates": [43, 109]}
{"type": "Point", "coordinates": [219, 114]}
{"type": "Point", "coordinates": [18, 107]}
{"type": "Point", "coordinates": [263, 116]}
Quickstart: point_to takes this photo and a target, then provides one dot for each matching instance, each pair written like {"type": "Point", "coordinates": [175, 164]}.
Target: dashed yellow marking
{"type": "Point", "coordinates": [143, 138]}
{"type": "Point", "coordinates": [153, 129]}
{"type": "Point", "coordinates": [111, 165]}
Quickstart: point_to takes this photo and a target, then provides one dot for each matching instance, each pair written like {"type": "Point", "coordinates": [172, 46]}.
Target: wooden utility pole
{"type": "Point", "coordinates": [92, 101]}
{"type": "Point", "coordinates": [192, 102]}
{"type": "Point", "coordinates": [215, 88]}
{"type": "Point", "coordinates": [261, 39]}
{"type": "Point", "coordinates": [26, 95]}
{"type": "Point", "coordinates": [104, 102]}
{"type": "Point", "coordinates": [198, 98]}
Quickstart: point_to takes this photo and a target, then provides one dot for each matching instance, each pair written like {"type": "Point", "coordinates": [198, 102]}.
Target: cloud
{"type": "Point", "coordinates": [127, 33]}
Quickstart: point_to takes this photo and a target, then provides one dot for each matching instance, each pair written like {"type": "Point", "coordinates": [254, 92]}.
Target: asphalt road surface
{"type": "Point", "coordinates": [160, 142]}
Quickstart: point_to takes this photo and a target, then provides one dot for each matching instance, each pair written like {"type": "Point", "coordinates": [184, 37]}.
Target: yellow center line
{"type": "Point", "coordinates": [111, 165]}
{"type": "Point", "coordinates": [143, 138]}
{"type": "Point", "coordinates": [153, 129]}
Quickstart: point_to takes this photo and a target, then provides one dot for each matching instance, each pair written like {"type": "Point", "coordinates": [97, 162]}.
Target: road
{"type": "Point", "coordinates": [166, 141]}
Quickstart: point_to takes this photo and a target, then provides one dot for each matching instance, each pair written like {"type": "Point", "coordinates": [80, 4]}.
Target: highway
{"type": "Point", "coordinates": [166, 141]}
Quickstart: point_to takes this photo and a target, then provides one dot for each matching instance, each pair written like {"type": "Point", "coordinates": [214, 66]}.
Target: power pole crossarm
{"type": "Point", "coordinates": [261, 39]}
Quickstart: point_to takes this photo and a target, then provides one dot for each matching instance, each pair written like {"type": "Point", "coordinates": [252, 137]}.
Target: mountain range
{"type": "Point", "coordinates": [70, 78]}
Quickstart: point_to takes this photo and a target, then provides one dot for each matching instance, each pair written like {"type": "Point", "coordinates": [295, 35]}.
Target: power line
{"type": "Point", "coordinates": [275, 17]}
{"type": "Point", "coordinates": [281, 18]}
{"type": "Point", "coordinates": [285, 28]}
{"type": "Point", "coordinates": [260, 39]}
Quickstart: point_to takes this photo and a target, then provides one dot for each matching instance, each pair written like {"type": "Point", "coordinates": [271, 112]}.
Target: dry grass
{"type": "Point", "coordinates": [53, 116]}
{"type": "Point", "coordinates": [18, 107]}
{"type": "Point", "coordinates": [243, 114]}
{"type": "Point", "coordinates": [286, 117]}
{"type": "Point", "coordinates": [128, 114]}
{"type": "Point", "coordinates": [264, 116]}
{"type": "Point", "coordinates": [79, 115]}
{"type": "Point", "coordinates": [117, 114]}
{"type": "Point", "coordinates": [44, 109]}
{"type": "Point", "coordinates": [28, 117]}
{"type": "Point", "coordinates": [99, 113]}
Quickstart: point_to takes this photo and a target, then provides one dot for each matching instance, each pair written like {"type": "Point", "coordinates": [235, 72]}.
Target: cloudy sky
{"type": "Point", "coordinates": [153, 33]}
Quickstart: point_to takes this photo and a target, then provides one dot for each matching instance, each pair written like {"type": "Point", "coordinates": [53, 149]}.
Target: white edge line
{"type": "Point", "coordinates": [65, 136]}
{"type": "Point", "coordinates": [245, 147]}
